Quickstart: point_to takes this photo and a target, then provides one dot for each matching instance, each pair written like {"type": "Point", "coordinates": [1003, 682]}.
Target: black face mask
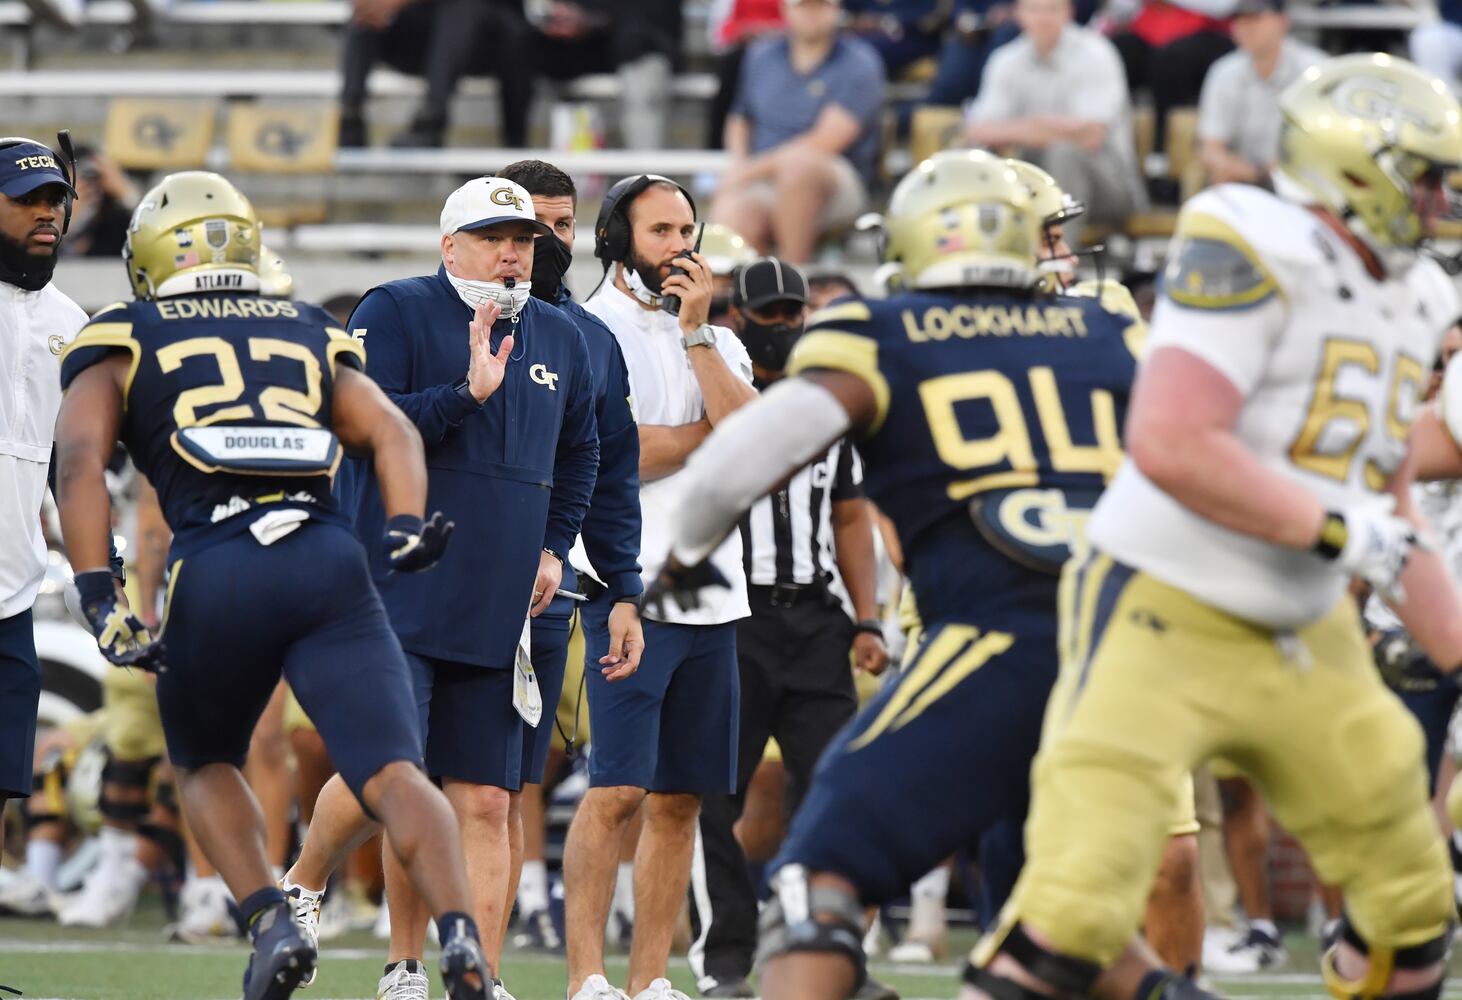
{"type": "Point", "coordinates": [551, 260]}
{"type": "Point", "coordinates": [769, 344]}
{"type": "Point", "coordinates": [24, 270]}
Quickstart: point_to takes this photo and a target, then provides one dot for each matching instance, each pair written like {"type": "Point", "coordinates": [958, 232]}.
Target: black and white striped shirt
{"type": "Point", "coordinates": [787, 537]}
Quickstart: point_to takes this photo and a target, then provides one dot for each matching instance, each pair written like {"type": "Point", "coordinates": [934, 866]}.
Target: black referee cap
{"type": "Point", "coordinates": [767, 280]}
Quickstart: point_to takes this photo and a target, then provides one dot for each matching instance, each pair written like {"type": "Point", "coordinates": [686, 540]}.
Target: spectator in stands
{"type": "Point", "coordinates": [442, 41]}
{"type": "Point", "coordinates": [803, 133]}
{"type": "Point", "coordinates": [903, 31]}
{"type": "Point", "coordinates": [1437, 45]}
{"type": "Point", "coordinates": [637, 39]}
{"type": "Point", "coordinates": [1058, 96]}
{"type": "Point", "coordinates": [105, 197]}
{"type": "Point", "coordinates": [1238, 112]}
{"type": "Point", "coordinates": [744, 21]}
{"type": "Point", "coordinates": [1166, 50]}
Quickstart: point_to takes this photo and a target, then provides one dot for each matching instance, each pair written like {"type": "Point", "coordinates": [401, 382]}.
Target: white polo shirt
{"type": "Point", "coordinates": [34, 328]}
{"type": "Point", "coordinates": [664, 390]}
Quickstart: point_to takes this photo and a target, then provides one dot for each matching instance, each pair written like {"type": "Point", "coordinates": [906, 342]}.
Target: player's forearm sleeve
{"type": "Point", "coordinates": [754, 449]}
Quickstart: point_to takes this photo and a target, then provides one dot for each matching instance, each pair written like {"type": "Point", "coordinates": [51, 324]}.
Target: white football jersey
{"type": "Point", "coordinates": [1332, 365]}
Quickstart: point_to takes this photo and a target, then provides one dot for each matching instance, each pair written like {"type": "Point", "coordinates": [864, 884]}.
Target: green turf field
{"type": "Point", "coordinates": [134, 963]}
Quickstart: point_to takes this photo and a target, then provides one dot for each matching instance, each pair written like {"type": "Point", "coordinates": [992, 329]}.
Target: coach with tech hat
{"type": "Point", "coordinates": [499, 385]}
{"type": "Point", "coordinates": [36, 323]}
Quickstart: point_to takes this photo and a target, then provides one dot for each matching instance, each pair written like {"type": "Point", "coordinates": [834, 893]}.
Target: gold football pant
{"type": "Point", "coordinates": [1153, 683]}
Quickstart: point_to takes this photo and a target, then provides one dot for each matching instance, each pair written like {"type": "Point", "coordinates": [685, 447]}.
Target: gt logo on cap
{"type": "Point", "coordinates": [505, 196]}
{"type": "Point", "coordinates": [37, 162]}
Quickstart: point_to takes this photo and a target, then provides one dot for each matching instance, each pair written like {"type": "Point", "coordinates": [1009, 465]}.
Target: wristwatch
{"type": "Point", "coordinates": [554, 554]}
{"type": "Point", "coordinates": [702, 336]}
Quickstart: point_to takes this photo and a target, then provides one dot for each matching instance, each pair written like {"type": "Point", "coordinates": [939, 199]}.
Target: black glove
{"type": "Point", "coordinates": [1404, 667]}
{"type": "Point", "coordinates": [412, 546]}
{"type": "Point", "coordinates": [682, 584]}
{"type": "Point", "coordinates": [120, 635]}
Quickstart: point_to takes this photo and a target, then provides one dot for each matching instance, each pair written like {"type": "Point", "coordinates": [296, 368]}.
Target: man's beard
{"type": "Point", "coordinates": [23, 269]}
{"type": "Point", "coordinates": [649, 273]}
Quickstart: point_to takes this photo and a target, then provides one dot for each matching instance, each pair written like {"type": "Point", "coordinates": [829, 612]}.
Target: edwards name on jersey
{"type": "Point", "coordinates": [999, 419]}
{"type": "Point", "coordinates": [227, 405]}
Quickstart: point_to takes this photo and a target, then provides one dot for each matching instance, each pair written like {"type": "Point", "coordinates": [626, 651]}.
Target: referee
{"type": "Point", "coordinates": [796, 685]}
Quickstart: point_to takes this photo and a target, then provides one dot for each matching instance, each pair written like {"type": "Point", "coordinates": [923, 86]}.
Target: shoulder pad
{"type": "Point", "coordinates": [1215, 261]}
{"type": "Point", "coordinates": [840, 348]}
{"type": "Point", "coordinates": [342, 346]}
{"type": "Point", "coordinates": [841, 314]}
{"type": "Point", "coordinates": [114, 309]}
{"type": "Point", "coordinates": [1115, 296]}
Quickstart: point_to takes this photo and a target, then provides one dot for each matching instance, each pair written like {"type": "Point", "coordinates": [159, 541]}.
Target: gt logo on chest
{"type": "Point", "coordinates": [540, 374]}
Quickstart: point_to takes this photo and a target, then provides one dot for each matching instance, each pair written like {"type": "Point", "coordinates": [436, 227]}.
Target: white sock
{"type": "Point", "coordinates": [278, 871]}
{"type": "Point", "coordinates": [926, 916]}
{"type": "Point", "coordinates": [42, 858]}
{"type": "Point", "coordinates": [118, 844]}
{"type": "Point", "coordinates": [624, 890]}
{"type": "Point", "coordinates": [1266, 927]}
{"type": "Point", "coordinates": [533, 888]}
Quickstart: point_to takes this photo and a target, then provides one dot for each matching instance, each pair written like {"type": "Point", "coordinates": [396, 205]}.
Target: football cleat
{"type": "Point", "coordinates": [1254, 952]}
{"type": "Point", "coordinates": [204, 913]}
{"type": "Point", "coordinates": [283, 955]}
{"type": "Point", "coordinates": [538, 933]}
{"type": "Point", "coordinates": [596, 987]}
{"type": "Point", "coordinates": [406, 980]}
{"type": "Point", "coordinates": [108, 895]}
{"type": "Point", "coordinates": [660, 989]}
{"type": "Point", "coordinates": [464, 968]}
{"type": "Point", "coordinates": [306, 906]}
{"type": "Point", "coordinates": [23, 894]}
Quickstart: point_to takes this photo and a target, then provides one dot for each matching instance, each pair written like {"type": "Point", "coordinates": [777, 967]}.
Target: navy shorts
{"type": "Point", "coordinates": [20, 698]}
{"type": "Point", "coordinates": [935, 761]}
{"type": "Point", "coordinates": [550, 639]}
{"type": "Point", "coordinates": [672, 725]}
{"type": "Point", "coordinates": [240, 613]}
{"type": "Point", "coordinates": [1433, 709]}
{"type": "Point", "coordinates": [472, 731]}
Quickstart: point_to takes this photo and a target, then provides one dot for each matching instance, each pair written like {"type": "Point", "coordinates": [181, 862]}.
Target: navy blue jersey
{"type": "Point", "coordinates": [998, 425]}
{"type": "Point", "coordinates": [227, 405]}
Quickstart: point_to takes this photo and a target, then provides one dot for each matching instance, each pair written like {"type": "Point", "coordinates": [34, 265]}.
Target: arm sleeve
{"type": "Point", "coordinates": [848, 479]}
{"type": "Point", "coordinates": [576, 463]}
{"type": "Point", "coordinates": [750, 452]}
{"type": "Point", "coordinates": [436, 410]}
{"type": "Point", "coordinates": [611, 528]}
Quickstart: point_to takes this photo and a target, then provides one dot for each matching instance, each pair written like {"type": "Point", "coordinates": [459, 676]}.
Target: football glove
{"type": "Point", "coordinates": [412, 546]}
{"type": "Point", "coordinates": [1369, 541]}
{"type": "Point", "coordinates": [120, 635]}
{"type": "Point", "coordinates": [681, 584]}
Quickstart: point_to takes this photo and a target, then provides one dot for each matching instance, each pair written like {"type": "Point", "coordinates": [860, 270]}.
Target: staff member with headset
{"type": "Point", "coordinates": [667, 735]}
{"type": "Point", "coordinates": [36, 323]}
{"type": "Point", "coordinates": [796, 686]}
{"type": "Point", "coordinates": [499, 385]}
{"type": "Point", "coordinates": [610, 532]}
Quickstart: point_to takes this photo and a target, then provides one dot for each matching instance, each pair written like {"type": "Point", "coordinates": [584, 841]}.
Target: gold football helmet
{"type": "Point", "coordinates": [725, 249]}
{"type": "Point", "coordinates": [275, 281]}
{"type": "Point", "coordinates": [1371, 137]}
{"type": "Point", "coordinates": [193, 232]}
{"type": "Point", "coordinates": [960, 218]}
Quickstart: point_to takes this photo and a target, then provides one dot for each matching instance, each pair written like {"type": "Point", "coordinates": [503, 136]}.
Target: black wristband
{"type": "Point", "coordinates": [870, 625]}
{"type": "Point", "coordinates": [464, 389]}
{"type": "Point", "coordinates": [554, 554]}
{"type": "Point", "coordinates": [1333, 535]}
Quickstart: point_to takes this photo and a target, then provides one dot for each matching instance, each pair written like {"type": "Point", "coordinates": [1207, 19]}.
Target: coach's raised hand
{"type": "Point", "coordinates": [485, 370]}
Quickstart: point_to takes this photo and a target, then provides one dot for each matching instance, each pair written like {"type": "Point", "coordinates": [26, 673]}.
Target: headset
{"type": "Point", "coordinates": [612, 236]}
{"type": "Point", "coordinates": [67, 162]}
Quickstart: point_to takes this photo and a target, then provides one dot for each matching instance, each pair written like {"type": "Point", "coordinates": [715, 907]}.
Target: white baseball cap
{"type": "Point", "coordinates": [486, 201]}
